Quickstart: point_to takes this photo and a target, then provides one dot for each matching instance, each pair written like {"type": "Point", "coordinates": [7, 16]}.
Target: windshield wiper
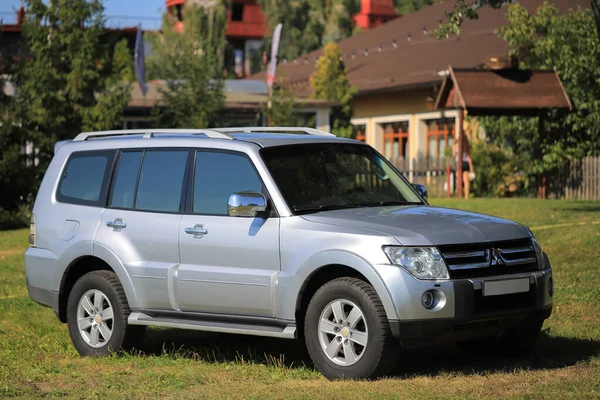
{"type": "Point", "coordinates": [313, 209]}
{"type": "Point", "coordinates": [391, 203]}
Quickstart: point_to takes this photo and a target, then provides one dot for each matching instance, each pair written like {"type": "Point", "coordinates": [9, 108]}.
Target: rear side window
{"type": "Point", "coordinates": [123, 193]}
{"type": "Point", "coordinates": [85, 178]}
{"type": "Point", "coordinates": [161, 180]}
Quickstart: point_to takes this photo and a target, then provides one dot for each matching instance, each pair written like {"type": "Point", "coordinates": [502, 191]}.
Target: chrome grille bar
{"type": "Point", "coordinates": [490, 258]}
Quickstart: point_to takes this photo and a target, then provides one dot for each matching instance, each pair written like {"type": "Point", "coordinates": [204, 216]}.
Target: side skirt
{"type": "Point", "coordinates": [256, 326]}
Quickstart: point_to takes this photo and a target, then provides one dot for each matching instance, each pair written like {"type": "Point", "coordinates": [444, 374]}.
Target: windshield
{"type": "Point", "coordinates": [327, 176]}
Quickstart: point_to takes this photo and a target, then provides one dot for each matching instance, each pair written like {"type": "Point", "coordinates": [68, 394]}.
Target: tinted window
{"type": "Point", "coordinates": [218, 175]}
{"type": "Point", "coordinates": [126, 178]}
{"type": "Point", "coordinates": [161, 181]}
{"type": "Point", "coordinates": [320, 176]}
{"type": "Point", "coordinates": [84, 179]}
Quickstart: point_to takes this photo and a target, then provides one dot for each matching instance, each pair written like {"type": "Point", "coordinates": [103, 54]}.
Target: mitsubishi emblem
{"type": "Point", "coordinates": [496, 258]}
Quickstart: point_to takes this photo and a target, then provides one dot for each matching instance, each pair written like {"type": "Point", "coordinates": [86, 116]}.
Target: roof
{"type": "Point", "coordinates": [417, 59]}
{"type": "Point", "coordinates": [238, 95]}
{"type": "Point", "coordinates": [504, 91]}
{"type": "Point", "coordinates": [227, 137]}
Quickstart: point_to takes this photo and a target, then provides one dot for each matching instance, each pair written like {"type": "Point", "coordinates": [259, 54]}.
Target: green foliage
{"type": "Point", "coordinates": [463, 10]}
{"type": "Point", "coordinates": [191, 62]}
{"type": "Point", "coordinates": [15, 219]}
{"type": "Point", "coordinates": [545, 40]}
{"type": "Point", "coordinates": [330, 82]}
{"type": "Point", "coordinates": [309, 24]}
{"type": "Point", "coordinates": [281, 112]}
{"type": "Point", "coordinates": [498, 171]}
{"type": "Point", "coordinates": [410, 6]}
{"type": "Point", "coordinates": [71, 83]}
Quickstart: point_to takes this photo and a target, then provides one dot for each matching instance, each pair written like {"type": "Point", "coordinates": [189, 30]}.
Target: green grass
{"type": "Point", "coordinates": [37, 359]}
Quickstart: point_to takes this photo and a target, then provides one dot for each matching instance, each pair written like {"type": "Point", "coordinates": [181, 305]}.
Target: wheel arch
{"type": "Point", "coordinates": [102, 259]}
{"type": "Point", "coordinates": [330, 265]}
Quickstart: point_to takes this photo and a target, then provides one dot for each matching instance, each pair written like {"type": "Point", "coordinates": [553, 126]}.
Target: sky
{"type": "Point", "coordinates": [119, 13]}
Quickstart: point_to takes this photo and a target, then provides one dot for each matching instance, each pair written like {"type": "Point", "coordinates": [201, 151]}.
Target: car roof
{"type": "Point", "coordinates": [261, 136]}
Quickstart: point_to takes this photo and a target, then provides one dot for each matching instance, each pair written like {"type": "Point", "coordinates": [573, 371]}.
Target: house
{"type": "Point", "coordinates": [245, 101]}
{"type": "Point", "coordinates": [398, 69]}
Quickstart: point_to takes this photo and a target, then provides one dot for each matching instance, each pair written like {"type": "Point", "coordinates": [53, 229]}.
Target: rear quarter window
{"type": "Point", "coordinates": [85, 178]}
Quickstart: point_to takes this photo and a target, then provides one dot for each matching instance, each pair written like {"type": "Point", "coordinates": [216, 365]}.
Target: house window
{"type": "Point", "coordinates": [439, 137]}
{"type": "Point", "coordinates": [360, 132]}
{"type": "Point", "coordinates": [237, 12]}
{"type": "Point", "coordinates": [395, 141]}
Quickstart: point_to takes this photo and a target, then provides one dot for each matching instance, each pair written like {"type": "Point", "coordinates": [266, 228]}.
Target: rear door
{"type": "Point", "coordinates": [141, 223]}
{"type": "Point", "coordinates": [231, 266]}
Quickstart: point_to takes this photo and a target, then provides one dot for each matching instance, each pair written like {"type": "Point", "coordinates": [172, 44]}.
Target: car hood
{"type": "Point", "coordinates": [424, 225]}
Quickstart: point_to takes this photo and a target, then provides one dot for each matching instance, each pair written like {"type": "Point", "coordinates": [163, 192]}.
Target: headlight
{"type": "Point", "coordinates": [422, 262]}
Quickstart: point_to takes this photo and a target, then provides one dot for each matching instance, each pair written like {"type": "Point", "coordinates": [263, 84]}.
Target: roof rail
{"type": "Point", "coordinates": [309, 131]}
{"type": "Point", "coordinates": [149, 133]}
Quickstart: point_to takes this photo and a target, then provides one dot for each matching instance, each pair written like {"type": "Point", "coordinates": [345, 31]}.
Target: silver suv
{"type": "Point", "coordinates": [279, 232]}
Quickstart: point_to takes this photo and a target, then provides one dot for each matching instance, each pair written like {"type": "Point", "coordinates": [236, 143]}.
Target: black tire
{"type": "Point", "coordinates": [124, 336]}
{"type": "Point", "coordinates": [380, 353]}
{"type": "Point", "coordinates": [515, 342]}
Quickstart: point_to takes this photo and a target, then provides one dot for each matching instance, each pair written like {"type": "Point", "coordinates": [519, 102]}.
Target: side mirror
{"type": "Point", "coordinates": [246, 204]}
{"type": "Point", "coordinates": [421, 190]}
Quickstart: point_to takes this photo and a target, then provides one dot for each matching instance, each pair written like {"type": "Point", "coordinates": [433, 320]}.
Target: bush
{"type": "Point", "coordinates": [15, 219]}
{"type": "Point", "coordinates": [497, 171]}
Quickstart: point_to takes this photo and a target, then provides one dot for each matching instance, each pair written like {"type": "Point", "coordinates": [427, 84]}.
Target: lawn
{"type": "Point", "coordinates": [37, 359]}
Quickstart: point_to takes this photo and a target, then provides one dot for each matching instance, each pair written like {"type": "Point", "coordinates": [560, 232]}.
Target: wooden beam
{"type": "Point", "coordinates": [461, 136]}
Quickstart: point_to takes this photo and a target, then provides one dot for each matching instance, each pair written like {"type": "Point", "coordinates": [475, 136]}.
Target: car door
{"type": "Point", "coordinates": [229, 265]}
{"type": "Point", "coordinates": [141, 223]}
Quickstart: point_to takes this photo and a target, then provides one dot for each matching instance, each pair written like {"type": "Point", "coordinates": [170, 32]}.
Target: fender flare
{"type": "Point", "coordinates": [335, 257]}
{"type": "Point", "coordinates": [105, 254]}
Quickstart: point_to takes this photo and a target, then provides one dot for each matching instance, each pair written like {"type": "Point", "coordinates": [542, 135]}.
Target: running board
{"type": "Point", "coordinates": [287, 332]}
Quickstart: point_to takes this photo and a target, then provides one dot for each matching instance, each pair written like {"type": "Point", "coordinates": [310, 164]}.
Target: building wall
{"type": "Point", "coordinates": [402, 102]}
{"type": "Point", "coordinates": [402, 126]}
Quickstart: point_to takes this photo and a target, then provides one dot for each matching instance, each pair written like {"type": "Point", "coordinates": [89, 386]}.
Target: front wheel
{"type": "Point", "coordinates": [347, 332]}
{"type": "Point", "coordinates": [97, 312]}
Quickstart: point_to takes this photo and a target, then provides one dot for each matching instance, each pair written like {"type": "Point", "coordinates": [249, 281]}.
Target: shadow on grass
{"type": "Point", "coordinates": [550, 352]}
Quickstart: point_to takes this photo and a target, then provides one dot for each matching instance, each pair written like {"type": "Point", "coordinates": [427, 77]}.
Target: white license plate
{"type": "Point", "coordinates": [509, 286]}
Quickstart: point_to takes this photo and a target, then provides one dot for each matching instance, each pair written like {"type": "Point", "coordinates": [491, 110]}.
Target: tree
{"type": "Point", "coordinates": [464, 10]}
{"type": "Point", "coordinates": [309, 24]}
{"type": "Point", "coordinates": [281, 112]}
{"type": "Point", "coordinates": [71, 82]}
{"type": "Point", "coordinates": [330, 82]}
{"type": "Point", "coordinates": [410, 6]}
{"type": "Point", "coordinates": [545, 40]}
{"type": "Point", "coordinates": [192, 64]}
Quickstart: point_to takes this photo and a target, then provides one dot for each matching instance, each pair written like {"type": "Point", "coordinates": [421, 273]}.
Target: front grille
{"type": "Point", "coordinates": [489, 259]}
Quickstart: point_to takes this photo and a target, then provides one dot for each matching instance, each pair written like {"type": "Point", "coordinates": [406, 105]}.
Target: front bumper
{"type": "Point", "coordinates": [468, 314]}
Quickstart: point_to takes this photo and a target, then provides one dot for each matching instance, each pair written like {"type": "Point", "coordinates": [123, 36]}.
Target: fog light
{"type": "Point", "coordinates": [428, 300]}
{"type": "Point", "coordinates": [550, 287]}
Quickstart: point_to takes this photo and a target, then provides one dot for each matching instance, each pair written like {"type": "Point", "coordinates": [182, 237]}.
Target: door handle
{"type": "Point", "coordinates": [197, 231]}
{"type": "Point", "coordinates": [116, 224]}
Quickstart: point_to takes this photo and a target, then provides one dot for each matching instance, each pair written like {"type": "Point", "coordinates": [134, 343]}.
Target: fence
{"type": "Point", "coordinates": [431, 172]}
{"type": "Point", "coordinates": [579, 180]}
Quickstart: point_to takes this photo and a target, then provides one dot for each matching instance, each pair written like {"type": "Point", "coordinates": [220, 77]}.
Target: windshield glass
{"type": "Point", "coordinates": [327, 176]}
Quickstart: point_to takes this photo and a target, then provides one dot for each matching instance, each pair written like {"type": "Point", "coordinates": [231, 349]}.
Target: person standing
{"type": "Point", "coordinates": [467, 166]}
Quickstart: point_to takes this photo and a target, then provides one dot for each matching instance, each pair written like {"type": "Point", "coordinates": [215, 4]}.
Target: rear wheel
{"type": "Point", "coordinates": [347, 332]}
{"type": "Point", "coordinates": [97, 312]}
{"type": "Point", "coordinates": [515, 342]}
